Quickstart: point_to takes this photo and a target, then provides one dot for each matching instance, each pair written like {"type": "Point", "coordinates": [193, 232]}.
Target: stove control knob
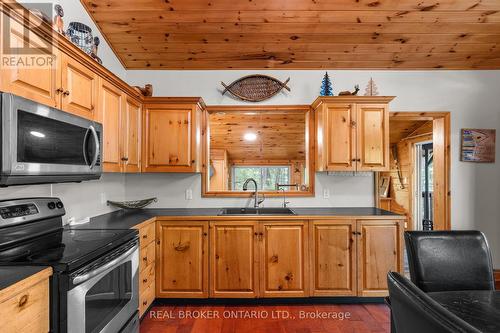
{"type": "Point", "coordinates": [59, 205]}
{"type": "Point", "coordinates": [51, 205]}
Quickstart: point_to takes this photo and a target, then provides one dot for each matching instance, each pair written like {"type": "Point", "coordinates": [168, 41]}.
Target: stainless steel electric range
{"type": "Point", "coordinates": [94, 287]}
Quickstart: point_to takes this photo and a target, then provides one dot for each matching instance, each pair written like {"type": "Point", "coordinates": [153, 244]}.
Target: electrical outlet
{"type": "Point", "coordinates": [326, 193]}
{"type": "Point", "coordinates": [189, 194]}
{"type": "Point", "coordinates": [104, 199]}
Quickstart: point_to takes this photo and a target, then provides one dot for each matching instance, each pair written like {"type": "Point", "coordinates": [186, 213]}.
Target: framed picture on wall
{"type": "Point", "coordinates": [384, 186]}
{"type": "Point", "coordinates": [478, 145]}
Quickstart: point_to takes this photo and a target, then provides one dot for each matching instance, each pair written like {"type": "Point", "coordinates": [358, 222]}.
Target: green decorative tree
{"type": "Point", "coordinates": [326, 86]}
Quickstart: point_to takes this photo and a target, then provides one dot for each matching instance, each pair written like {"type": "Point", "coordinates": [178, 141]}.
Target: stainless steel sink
{"type": "Point", "coordinates": [257, 211]}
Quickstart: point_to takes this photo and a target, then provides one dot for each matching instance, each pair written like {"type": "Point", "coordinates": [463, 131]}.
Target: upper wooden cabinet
{"type": "Point", "coordinates": [182, 259]}
{"type": "Point", "coordinates": [39, 83]}
{"type": "Point", "coordinates": [172, 134]}
{"type": "Point", "coordinates": [352, 133]}
{"type": "Point", "coordinates": [79, 88]}
{"type": "Point", "coordinates": [111, 103]}
{"type": "Point", "coordinates": [131, 126]}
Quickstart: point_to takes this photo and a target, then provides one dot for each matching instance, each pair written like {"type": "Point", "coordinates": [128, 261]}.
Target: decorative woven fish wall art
{"type": "Point", "coordinates": [255, 88]}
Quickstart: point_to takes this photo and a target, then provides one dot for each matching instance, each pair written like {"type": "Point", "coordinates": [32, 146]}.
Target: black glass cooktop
{"type": "Point", "coordinates": [66, 249]}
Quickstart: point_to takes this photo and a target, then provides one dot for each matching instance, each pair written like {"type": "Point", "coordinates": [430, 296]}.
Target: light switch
{"type": "Point", "coordinates": [326, 193]}
{"type": "Point", "coordinates": [189, 194]}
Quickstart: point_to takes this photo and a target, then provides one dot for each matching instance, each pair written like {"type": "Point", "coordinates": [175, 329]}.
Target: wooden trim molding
{"type": "Point", "coordinates": [310, 140]}
{"type": "Point", "coordinates": [351, 99]}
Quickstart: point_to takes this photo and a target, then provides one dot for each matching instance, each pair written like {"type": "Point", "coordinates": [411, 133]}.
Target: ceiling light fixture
{"type": "Point", "coordinates": [250, 137]}
{"type": "Point", "coordinates": [37, 134]}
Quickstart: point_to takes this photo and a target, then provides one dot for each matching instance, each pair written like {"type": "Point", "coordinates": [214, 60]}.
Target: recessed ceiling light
{"type": "Point", "coordinates": [250, 137]}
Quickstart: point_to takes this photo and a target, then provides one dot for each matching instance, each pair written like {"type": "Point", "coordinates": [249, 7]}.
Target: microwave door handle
{"type": "Point", "coordinates": [97, 147]}
{"type": "Point", "coordinates": [85, 139]}
{"type": "Point", "coordinates": [115, 262]}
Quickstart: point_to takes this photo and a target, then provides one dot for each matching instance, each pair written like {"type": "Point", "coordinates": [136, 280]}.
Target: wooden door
{"type": "Point", "coordinates": [234, 259]}
{"type": "Point", "coordinates": [168, 139]}
{"type": "Point", "coordinates": [340, 137]}
{"type": "Point", "coordinates": [182, 259]}
{"type": "Point", "coordinates": [111, 103]}
{"type": "Point", "coordinates": [380, 250]}
{"type": "Point", "coordinates": [333, 258]}
{"type": "Point", "coordinates": [40, 81]}
{"type": "Point", "coordinates": [373, 137]}
{"type": "Point", "coordinates": [284, 258]}
{"type": "Point", "coordinates": [79, 85]}
{"type": "Point", "coordinates": [131, 125]}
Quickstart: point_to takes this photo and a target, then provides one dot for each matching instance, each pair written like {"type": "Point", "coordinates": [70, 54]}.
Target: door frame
{"type": "Point", "coordinates": [441, 138]}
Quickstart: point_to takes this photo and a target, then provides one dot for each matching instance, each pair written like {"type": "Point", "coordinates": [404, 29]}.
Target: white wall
{"type": "Point", "coordinates": [75, 12]}
{"type": "Point", "coordinates": [472, 97]}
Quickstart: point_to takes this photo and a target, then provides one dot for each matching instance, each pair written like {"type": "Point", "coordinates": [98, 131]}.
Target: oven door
{"type": "Point", "coordinates": [40, 140]}
{"type": "Point", "coordinates": [104, 295]}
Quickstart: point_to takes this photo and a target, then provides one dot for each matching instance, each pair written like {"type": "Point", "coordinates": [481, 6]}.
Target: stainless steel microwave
{"type": "Point", "coordinates": [41, 144]}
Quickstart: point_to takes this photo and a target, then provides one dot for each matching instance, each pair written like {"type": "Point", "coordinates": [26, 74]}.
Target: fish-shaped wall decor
{"type": "Point", "coordinates": [255, 88]}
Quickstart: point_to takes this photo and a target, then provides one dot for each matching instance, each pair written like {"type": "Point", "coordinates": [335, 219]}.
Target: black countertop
{"type": "Point", "coordinates": [10, 275]}
{"type": "Point", "coordinates": [125, 219]}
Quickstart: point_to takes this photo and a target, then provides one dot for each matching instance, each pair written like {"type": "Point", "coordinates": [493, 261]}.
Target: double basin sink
{"type": "Point", "coordinates": [256, 211]}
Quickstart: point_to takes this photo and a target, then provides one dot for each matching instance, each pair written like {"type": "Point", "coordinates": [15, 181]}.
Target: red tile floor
{"type": "Point", "coordinates": [338, 318]}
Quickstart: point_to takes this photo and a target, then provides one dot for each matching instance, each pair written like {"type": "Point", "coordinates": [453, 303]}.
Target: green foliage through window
{"type": "Point", "coordinates": [266, 177]}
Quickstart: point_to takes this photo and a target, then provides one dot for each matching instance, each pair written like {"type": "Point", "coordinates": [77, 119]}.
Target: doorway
{"type": "Point", "coordinates": [417, 184]}
{"type": "Point", "coordinates": [423, 194]}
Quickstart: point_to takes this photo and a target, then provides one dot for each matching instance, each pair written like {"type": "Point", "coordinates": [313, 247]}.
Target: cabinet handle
{"type": "Point", "coordinates": [145, 259]}
{"type": "Point", "coordinates": [145, 303]}
{"type": "Point", "coordinates": [144, 236]}
{"type": "Point", "coordinates": [205, 234]}
{"type": "Point", "coordinates": [145, 281]}
{"type": "Point", "coordinates": [66, 93]}
{"type": "Point", "coordinates": [124, 159]}
{"type": "Point", "coordinates": [23, 301]}
{"type": "Point", "coordinates": [59, 90]}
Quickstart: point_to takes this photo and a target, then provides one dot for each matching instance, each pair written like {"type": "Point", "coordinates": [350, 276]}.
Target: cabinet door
{"type": "Point", "coordinates": [284, 259]}
{"type": "Point", "coordinates": [380, 250]}
{"type": "Point", "coordinates": [182, 259]}
{"type": "Point", "coordinates": [373, 137]}
{"type": "Point", "coordinates": [79, 85]}
{"type": "Point", "coordinates": [233, 259]}
{"type": "Point", "coordinates": [340, 137]}
{"type": "Point", "coordinates": [168, 139]}
{"type": "Point", "coordinates": [38, 82]}
{"type": "Point", "coordinates": [132, 136]}
{"type": "Point", "coordinates": [333, 258]}
{"type": "Point", "coordinates": [110, 115]}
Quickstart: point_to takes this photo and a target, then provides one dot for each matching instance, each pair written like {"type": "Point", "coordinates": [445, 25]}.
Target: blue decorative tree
{"type": "Point", "coordinates": [326, 86]}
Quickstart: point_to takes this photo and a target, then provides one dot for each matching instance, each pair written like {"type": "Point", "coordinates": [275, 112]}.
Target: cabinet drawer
{"type": "Point", "coordinates": [147, 255]}
{"type": "Point", "coordinates": [147, 234]}
{"type": "Point", "coordinates": [146, 298]}
{"type": "Point", "coordinates": [28, 311]}
{"type": "Point", "coordinates": [146, 277]}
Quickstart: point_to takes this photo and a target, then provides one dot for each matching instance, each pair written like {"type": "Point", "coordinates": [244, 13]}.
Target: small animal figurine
{"type": "Point", "coordinates": [58, 23]}
{"type": "Point", "coordinates": [147, 91]}
{"type": "Point", "coordinates": [95, 47]}
{"type": "Point", "coordinates": [348, 93]}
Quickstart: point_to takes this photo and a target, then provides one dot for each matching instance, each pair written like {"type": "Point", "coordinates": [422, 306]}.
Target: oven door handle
{"type": "Point", "coordinates": [115, 262]}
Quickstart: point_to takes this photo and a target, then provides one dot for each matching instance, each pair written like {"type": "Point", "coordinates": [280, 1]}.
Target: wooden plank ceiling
{"type": "Point", "coordinates": [301, 34]}
{"type": "Point", "coordinates": [402, 129]}
{"type": "Point", "coordinates": [280, 135]}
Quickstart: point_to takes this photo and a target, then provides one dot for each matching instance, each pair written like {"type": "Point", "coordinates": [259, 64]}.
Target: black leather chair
{"type": "Point", "coordinates": [449, 260]}
{"type": "Point", "coordinates": [413, 311]}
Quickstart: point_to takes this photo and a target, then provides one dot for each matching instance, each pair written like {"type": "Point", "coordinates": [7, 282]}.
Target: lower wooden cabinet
{"type": "Point", "coordinates": [284, 253]}
{"type": "Point", "coordinates": [249, 259]}
{"type": "Point", "coordinates": [147, 258]}
{"type": "Point", "coordinates": [182, 257]}
{"type": "Point", "coordinates": [380, 250]}
{"type": "Point", "coordinates": [234, 259]}
{"type": "Point", "coordinates": [333, 258]}
{"type": "Point", "coordinates": [25, 307]}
